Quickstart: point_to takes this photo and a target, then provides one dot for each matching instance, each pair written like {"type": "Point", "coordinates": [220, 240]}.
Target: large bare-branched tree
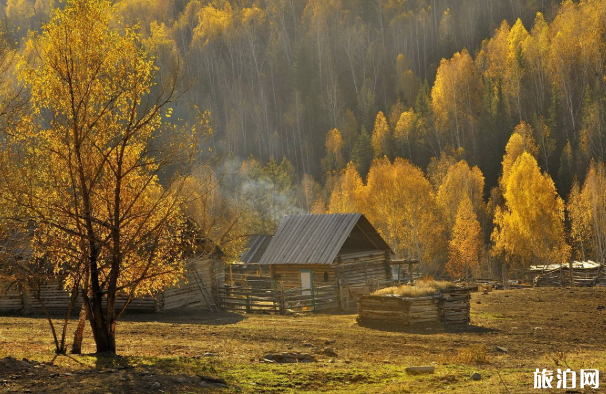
{"type": "Point", "coordinates": [86, 165]}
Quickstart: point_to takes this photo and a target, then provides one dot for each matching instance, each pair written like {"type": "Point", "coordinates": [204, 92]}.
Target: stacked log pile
{"type": "Point", "coordinates": [454, 307]}
{"type": "Point", "coordinates": [447, 308]}
{"type": "Point", "coordinates": [405, 311]}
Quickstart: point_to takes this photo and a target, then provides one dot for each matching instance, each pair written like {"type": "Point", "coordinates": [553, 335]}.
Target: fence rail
{"type": "Point", "coordinates": [249, 299]}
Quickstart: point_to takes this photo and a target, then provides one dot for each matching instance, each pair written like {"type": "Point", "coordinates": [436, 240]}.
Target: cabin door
{"type": "Point", "coordinates": [307, 281]}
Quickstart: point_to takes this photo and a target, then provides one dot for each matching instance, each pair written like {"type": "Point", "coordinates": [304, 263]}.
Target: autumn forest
{"type": "Point", "coordinates": [472, 134]}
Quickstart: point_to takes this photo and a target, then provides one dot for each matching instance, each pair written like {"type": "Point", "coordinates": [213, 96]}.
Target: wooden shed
{"type": "Point", "coordinates": [313, 250]}
{"type": "Point", "coordinates": [247, 271]}
{"type": "Point", "coordinates": [204, 273]}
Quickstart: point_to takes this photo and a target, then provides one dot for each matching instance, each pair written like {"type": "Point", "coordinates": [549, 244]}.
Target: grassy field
{"type": "Point", "coordinates": [538, 328]}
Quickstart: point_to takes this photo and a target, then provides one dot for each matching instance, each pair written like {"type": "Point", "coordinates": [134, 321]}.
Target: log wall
{"type": "Point", "coordinates": [289, 274]}
{"type": "Point", "coordinates": [448, 308]}
{"type": "Point", "coordinates": [56, 299]}
{"type": "Point", "coordinates": [454, 307]}
{"type": "Point", "coordinates": [363, 268]}
{"type": "Point", "coordinates": [401, 311]}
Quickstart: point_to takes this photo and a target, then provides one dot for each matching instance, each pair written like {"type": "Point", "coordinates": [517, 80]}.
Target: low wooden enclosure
{"type": "Point", "coordinates": [16, 299]}
{"type": "Point", "coordinates": [584, 274]}
{"type": "Point", "coordinates": [240, 299]}
{"type": "Point", "coordinates": [197, 288]}
{"type": "Point", "coordinates": [447, 308]}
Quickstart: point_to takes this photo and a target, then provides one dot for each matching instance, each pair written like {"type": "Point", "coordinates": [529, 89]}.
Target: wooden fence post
{"type": "Point", "coordinates": [282, 299]}
{"type": "Point", "coordinates": [571, 273]}
{"type": "Point", "coordinates": [340, 295]}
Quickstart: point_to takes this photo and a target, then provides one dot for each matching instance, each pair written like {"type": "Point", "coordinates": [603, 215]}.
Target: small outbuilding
{"type": "Point", "coordinates": [247, 271]}
{"type": "Point", "coordinates": [312, 250]}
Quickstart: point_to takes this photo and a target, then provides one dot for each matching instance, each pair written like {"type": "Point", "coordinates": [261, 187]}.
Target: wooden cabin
{"type": "Point", "coordinates": [312, 250]}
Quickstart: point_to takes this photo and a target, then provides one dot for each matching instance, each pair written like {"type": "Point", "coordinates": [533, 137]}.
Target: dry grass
{"type": "Point", "coordinates": [406, 291]}
{"type": "Point", "coordinates": [472, 355]}
{"type": "Point", "coordinates": [422, 288]}
{"type": "Point", "coordinates": [171, 346]}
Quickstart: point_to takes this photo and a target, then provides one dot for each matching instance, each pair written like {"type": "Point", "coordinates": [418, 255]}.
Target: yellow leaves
{"type": "Point", "coordinates": [346, 196]}
{"type": "Point", "coordinates": [520, 141]}
{"type": "Point", "coordinates": [466, 243]}
{"type": "Point", "coordinates": [398, 201]}
{"type": "Point", "coordinates": [334, 142]}
{"type": "Point", "coordinates": [91, 177]}
{"type": "Point", "coordinates": [405, 126]}
{"type": "Point", "coordinates": [213, 22]}
{"type": "Point", "coordinates": [587, 212]}
{"type": "Point", "coordinates": [380, 136]}
{"type": "Point", "coordinates": [530, 230]}
{"type": "Point", "coordinates": [460, 183]}
{"type": "Point", "coordinates": [456, 98]}
{"type": "Point", "coordinates": [334, 151]}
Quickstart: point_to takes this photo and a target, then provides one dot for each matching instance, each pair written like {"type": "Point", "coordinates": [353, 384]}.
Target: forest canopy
{"type": "Point", "coordinates": [460, 128]}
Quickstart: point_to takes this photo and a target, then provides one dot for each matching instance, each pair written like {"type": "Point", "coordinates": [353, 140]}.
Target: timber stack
{"type": "Point", "coordinates": [405, 311]}
{"type": "Point", "coordinates": [454, 306]}
{"type": "Point", "coordinates": [447, 308]}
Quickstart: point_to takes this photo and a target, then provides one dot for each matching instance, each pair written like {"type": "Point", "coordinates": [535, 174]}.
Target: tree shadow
{"type": "Point", "coordinates": [428, 329]}
{"type": "Point", "coordinates": [185, 316]}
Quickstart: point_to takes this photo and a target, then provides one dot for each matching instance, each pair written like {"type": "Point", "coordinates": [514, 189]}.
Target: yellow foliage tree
{"type": "Point", "coordinates": [456, 101]}
{"type": "Point", "coordinates": [404, 132]}
{"type": "Point", "coordinates": [520, 141]}
{"type": "Point", "coordinates": [460, 183]}
{"type": "Point", "coordinates": [530, 228]}
{"type": "Point", "coordinates": [345, 197]}
{"type": "Point", "coordinates": [466, 243]}
{"type": "Point", "coordinates": [400, 203]}
{"type": "Point", "coordinates": [587, 213]}
{"type": "Point", "coordinates": [380, 138]}
{"type": "Point", "coordinates": [334, 151]}
{"type": "Point", "coordinates": [516, 65]}
{"type": "Point", "coordinates": [82, 169]}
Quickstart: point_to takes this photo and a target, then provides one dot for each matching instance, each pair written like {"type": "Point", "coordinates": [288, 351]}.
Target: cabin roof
{"type": "Point", "coordinates": [318, 239]}
{"type": "Point", "coordinates": [255, 248]}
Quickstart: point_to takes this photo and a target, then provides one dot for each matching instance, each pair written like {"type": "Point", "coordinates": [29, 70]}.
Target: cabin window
{"type": "Point", "coordinates": [277, 276]}
{"type": "Point", "coordinates": [326, 277]}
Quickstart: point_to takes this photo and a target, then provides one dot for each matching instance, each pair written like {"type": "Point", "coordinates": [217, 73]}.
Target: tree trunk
{"type": "Point", "coordinates": [104, 339]}
{"type": "Point", "coordinates": [79, 333]}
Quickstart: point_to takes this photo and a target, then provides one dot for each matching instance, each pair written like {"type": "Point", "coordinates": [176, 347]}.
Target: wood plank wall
{"type": "Point", "coordinates": [187, 293]}
{"type": "Point", "coordinates": [349, 269]}
{"type": "Point", "coordinates": [56, 299]}
{"type": "Point", "coordinates": [363, 267]}
{"type": "Point", "coordinates": [289, 274]}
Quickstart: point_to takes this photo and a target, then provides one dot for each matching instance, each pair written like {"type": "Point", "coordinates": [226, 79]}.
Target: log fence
{"type": "Point", "coordinates": [278, 300]}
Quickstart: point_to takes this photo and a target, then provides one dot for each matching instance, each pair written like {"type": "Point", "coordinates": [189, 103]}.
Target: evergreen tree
{"type": "Point", "coordinates": [362, 153]}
